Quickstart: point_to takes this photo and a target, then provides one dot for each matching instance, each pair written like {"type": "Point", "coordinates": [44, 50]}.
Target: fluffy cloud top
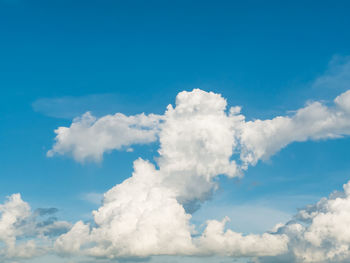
{"type": "Point", "coordinates": [141, 217]}
{"type": "Point", "coordinates": [197, 143]}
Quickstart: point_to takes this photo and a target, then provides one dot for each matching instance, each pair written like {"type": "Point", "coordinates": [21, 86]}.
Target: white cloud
{"type": "Point", "coordinates": [145, 215]}
{"type": "Point", "coordinates": [149, 213]}
{"type": "Point", "coordinates": [197, 141]}
{"type": "Point", "coordinates": [200, 139]}
{"type": "Point", "coordinates": [152, 222]}
{"type": "Point", "coordinates": [202, 117]}
{"type": "Point", "coordinates": [13, 212]}
{"type": "Point", "coordinates": [23, 234]}
{"type": "Point", "coordinates": [260, 139]}
{"type": "Point", "coordinates": [139, 217]}
{"type": "Point", "coordinates": [215, 240]}
{"type": "Point", "coordinates": [88, 137]}
{"type": "Point", "coordinates": [320, 232]}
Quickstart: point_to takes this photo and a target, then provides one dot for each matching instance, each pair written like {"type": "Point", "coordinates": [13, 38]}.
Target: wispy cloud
{"type": "Point", "coordinates": [337, 76]}
{"type": "Point", "coordinates": [69, 107]}
{"type": "Point", "coordinates": [92, 197]}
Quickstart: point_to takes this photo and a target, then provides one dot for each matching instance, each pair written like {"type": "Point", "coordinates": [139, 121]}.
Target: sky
{"type": "Point", "coordinates": [258, 131]}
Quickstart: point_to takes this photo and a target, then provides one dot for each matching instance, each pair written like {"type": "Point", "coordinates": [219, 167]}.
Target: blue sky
{"type": "Point", "coordinates": [59, 59]}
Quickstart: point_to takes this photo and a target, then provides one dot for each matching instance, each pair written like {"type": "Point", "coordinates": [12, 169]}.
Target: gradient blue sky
{"type": "Point", "coordinates": [59, 59]}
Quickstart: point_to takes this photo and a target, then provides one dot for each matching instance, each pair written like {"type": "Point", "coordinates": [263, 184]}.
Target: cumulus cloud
{"type": "Point", "coordinates": [200, 138]}
{"type": "Point", "coordinates": [215, 240]}
{"type": "Point", "coordinates": [25, 234]}
{"type": "Point", "coordinates": [88, 137]}
{"type": "Point", "coordinates": [141, 217]}
{"type": "Point", "coordinates": [203, 117]}
{"type": "Point", "coordinates": [149, 213]}
{"type": "Point", "coordinates": [145, 214]}
{"type": "Point", "coordinates": [197, 139]}
{"type": "Point", "coordinates": [319, 233]}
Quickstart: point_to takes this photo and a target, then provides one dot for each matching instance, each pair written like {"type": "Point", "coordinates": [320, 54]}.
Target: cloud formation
{"type": "Point", "coordinates": [25, 234]}
{"type": "Point", "coordinates": [320, 232]}
{"type": "Point", "coordinates": [260, 139]}
{"type": "Point", "coordinates": [203, 116]}
{"type": "Point", "coordinates": [149, 213]}
{"type": "Point", "coordinates": [200, 138]}
{"type": "Point", "coordinates": [141, 217]}
{"type": "Point", "coordinates": [317, 233]}
{"type": "Point", "coordinates": [145, 215]}
{"type": "Point", "coordinates": [88, 137]}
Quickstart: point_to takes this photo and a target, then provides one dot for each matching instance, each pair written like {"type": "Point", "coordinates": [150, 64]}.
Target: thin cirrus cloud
{"type": "Point", "coordinates": [337, 76]}
{"type": "Point", "coordinates": [69, 107]}
{"type": "Point", "coordinates": [92, 197]}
